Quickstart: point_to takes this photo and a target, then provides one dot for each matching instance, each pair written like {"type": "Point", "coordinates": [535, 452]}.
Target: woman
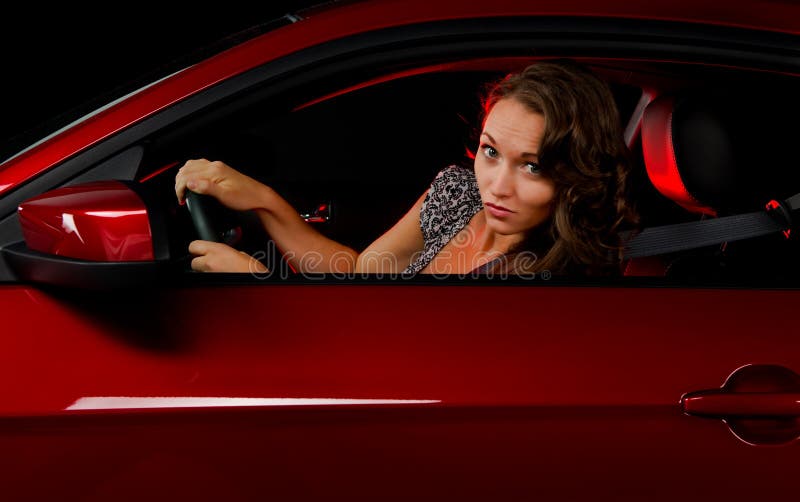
{"type": "Point", "coordinates": [547, 191]}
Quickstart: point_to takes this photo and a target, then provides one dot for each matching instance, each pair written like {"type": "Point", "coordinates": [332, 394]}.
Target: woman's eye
{"type": "Point", "coordinates": [489, 151]}
{"type": "Point", "coordinates": [533, 168]}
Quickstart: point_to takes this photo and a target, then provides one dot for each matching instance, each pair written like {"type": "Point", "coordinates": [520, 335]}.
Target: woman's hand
{"type": "Point", "coordinates": [218, 257]}
{"type": "Point", "coordinates": [232, 188]}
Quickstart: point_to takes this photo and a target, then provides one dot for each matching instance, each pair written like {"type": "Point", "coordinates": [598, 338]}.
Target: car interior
{"type": "Point", "coordinates": [353, 153]}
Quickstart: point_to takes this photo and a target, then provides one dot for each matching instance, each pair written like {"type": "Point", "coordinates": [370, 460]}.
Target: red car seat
{"type": "Point", "coordinates": [713, 153]}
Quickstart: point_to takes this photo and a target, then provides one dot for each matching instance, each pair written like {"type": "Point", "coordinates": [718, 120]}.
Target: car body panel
{"type": "Point", "coordinates": [83, 345]}
{"type": "Point", "coordinates": [390, 454]}
{"type": "Point", "coordinates": [472, 406]}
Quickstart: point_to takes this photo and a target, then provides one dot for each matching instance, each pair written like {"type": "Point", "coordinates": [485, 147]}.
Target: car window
{"type": "Point", "coordinates": [366, 154]}
{"type": "Point", "coordinates": [364, 149]}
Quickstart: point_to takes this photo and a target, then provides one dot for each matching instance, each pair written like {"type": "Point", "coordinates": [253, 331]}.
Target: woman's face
{"type": "Point", "coordinates": [516, 195]}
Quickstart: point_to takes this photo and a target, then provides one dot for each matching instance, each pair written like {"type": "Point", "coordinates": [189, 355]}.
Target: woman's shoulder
{"type": "Point", "coordinates": [453, 198]}
{"type": "Point", "coordinates": [455, 183]}
{"type": "Point", "coordinates": [455, 172]}
{"type": "Point", "coordinates": [451, 201]}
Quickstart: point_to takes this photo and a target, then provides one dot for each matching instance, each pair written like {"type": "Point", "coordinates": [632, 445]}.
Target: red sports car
{"type": "Point", "coordinates": [126, 376]}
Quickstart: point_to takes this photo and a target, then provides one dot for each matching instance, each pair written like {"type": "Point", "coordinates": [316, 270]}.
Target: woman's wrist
{"type": "Point", "coordinates": [266, 199]}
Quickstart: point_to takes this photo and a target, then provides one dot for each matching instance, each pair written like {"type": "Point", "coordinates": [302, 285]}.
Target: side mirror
{"type": "Point", "coordinates": [96, 235]}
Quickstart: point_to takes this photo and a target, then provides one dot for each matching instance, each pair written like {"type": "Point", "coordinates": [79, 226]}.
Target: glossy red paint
{"type": "Point", "coordinates": [530, 401]}
{"type": "Point", "coordinates": [369, 454]}
{"type": "Point", "coordinates": [748, 404]}
{"type": "Point", "coordinates": [97, 221]}
{"type": "Point", "coordinates": [387, 454]}
{"type": "Point", "coordinates": [758, 402]}
{"type": "Point", "coordinates": [776, 386]}
{"type": "Point", "coordinates": [334, 22]}
{"type": "Point", "coordinates": [274, 349]}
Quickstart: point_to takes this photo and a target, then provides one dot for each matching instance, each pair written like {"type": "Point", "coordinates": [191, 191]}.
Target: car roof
{"type": "Point", "coordinates": [334, 20]}
{"type": "Point", "coordinates": [774, 15]}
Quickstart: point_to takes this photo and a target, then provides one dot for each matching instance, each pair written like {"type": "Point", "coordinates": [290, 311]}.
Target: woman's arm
{"type": "Point", "coordinates": [304, 247]}
{"type": "Point", "coordinates": [393, 251]}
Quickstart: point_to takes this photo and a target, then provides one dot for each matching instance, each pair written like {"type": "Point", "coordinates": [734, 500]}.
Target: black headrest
{"type": "Point", "coordinates": [718, 152]}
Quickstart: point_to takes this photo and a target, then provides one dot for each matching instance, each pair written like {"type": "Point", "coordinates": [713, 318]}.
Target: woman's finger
{"type": "Point", "coordinates": [200, 264]}
{"type": "Point", "coordinates": [192, 171]}
{"type": "Point", "coordinates": [197, 185]}
{"type": "Point", "coordinates": [200, 247]}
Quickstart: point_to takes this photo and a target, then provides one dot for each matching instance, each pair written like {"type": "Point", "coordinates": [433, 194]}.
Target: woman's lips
{"type": "Point", "coordinates": [497, 211]}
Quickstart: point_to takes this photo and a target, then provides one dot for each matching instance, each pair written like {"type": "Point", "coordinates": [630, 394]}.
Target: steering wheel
{"type": "Point", "coordinates": [214, 222]}
{"type": "Point", "coordinates": [208, 218]}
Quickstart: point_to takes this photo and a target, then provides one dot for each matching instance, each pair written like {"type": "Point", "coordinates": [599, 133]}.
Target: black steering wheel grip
{"type": "Point", "coordinates": [202, 209]}
{"type": "Point", "coordinates": [213, 221]}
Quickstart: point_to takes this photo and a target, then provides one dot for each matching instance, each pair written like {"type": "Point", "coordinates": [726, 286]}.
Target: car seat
{"type": "Point", "coordinates": [717, 153]}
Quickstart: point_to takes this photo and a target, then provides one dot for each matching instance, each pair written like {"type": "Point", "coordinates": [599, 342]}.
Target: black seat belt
{"type": "Point", "coordinates": [695, 234]}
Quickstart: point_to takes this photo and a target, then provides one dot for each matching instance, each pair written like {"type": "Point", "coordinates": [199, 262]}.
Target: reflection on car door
{"type": "Point", "coordinates": [390, 391]}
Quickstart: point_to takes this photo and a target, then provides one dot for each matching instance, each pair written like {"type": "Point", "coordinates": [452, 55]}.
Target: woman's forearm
{"type": "Point", "coordinates": [306, 249]}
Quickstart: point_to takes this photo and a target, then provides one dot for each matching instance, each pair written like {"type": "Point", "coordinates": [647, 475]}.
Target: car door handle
{"type": "Point", "coordinates": [723, 404]}
{"type": "Point", "coordinates": [321, 213]}
{"type": "Point", "coordinates": [760, 404]}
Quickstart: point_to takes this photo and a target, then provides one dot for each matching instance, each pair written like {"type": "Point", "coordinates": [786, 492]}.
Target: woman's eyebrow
{"type": "Point", "coordinates": [523, 154]}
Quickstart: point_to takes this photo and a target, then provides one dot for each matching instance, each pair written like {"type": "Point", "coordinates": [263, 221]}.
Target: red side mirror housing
{"type": "Point", "coordinates": [97, 221]}
{"type": "Point", "coordinates": [95, 235]}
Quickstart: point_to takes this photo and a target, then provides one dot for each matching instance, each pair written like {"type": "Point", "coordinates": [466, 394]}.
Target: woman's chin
{"type": "Point", "coordinates": [501, 227]}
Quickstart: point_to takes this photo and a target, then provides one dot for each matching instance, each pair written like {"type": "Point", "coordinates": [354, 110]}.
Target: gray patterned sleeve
{"type": "Point", "coordinates": [452, 200]}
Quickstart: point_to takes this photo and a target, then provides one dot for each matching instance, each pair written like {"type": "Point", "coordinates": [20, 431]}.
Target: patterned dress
{"type": "Point", "coordinates": [453, 199]}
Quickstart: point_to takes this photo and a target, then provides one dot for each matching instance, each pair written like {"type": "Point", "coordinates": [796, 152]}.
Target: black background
{"type": "Point", "coordinates": [57, 61]}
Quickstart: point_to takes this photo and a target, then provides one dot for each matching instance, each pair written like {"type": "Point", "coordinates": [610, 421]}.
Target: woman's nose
{"type": "Point", "coordinates": [503, 183]}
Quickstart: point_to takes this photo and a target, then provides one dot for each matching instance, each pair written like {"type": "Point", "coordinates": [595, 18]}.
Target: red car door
{"type": "Point", "coordinates": [432, 390]}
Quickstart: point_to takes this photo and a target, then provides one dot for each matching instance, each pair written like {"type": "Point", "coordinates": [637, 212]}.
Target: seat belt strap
{"type": "Point", "coordinates": [696, 234]}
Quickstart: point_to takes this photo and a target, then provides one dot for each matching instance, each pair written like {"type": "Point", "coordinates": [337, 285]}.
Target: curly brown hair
{"type": "Point", "coordinates": [584, 153]}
